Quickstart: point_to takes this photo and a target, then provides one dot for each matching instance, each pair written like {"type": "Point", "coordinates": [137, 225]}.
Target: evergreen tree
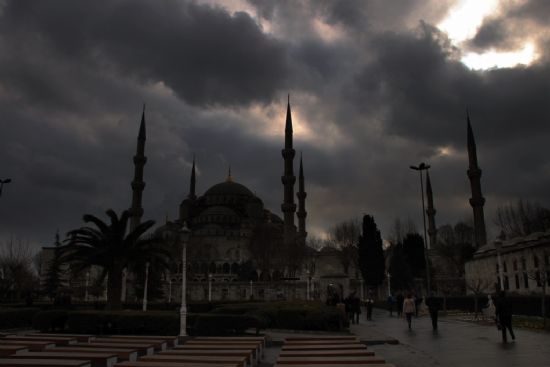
{"type": "Point", "coordinates": [371, 253]}
{"type": "Point", "coordinates": [54, 273]}
{"type": "Point", "coordinates": [413, 248]}
{"type": "Point", "coordinates": [400, 270]}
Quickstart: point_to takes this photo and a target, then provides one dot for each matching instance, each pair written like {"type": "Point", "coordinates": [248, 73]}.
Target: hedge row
{"type": "Point", "coordinates": [11, 318]}
{"type": "Point", "coordinates": [142, 323]}
{"type": "Point", "coordinates": [299, 315]}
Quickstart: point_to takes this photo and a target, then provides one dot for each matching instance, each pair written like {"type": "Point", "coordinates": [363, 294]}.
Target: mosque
{"type": "Point", "coordinates": [238, 249]}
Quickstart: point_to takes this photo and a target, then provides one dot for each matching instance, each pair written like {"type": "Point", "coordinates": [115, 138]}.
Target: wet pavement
{"type": "Point", "coordinates": [455, 344]}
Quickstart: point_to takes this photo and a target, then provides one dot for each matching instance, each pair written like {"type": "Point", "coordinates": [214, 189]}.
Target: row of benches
{"type": "Point", "coordinates": [51, 350]}
{"type": "Point", "coordinates": [327, 351]}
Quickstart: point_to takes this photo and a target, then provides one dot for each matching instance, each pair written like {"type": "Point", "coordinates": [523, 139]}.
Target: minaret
{"type": "Point", "coordinates": [138, 185]}
{"type": "Point", "coordinates": [477, 200]}
{"type": "Point", "coordinates": [288, 207]}
{"type": "Point", "coordinates": [192, 184]}
{"type": "Point", "coordinates": [301, 214]}
{"type": "Point", "coordinates": [432, 231]}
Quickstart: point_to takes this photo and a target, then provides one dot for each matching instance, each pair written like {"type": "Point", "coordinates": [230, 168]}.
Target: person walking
{"type": "Point", "coordinates": [370, 304]}
{"type": "Point", "coordinates": [391, 301]}
{"type": "Point", "coordinates": [434, 305]}
{"type": "Point", "coordinates": [399, 301]}
{"type": "Point", "coordinates": [355, 306]}
{"type": "Point", "coordinates": [409, 309]}
{"type": "Point", "coordinates": [503, 314]}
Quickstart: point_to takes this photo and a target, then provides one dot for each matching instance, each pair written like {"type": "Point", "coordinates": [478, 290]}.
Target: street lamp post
{"type": "Point", "coordinates": [169, 290]}
{"type": "Point", "coordinates": [422, 167]}
{"type": "Point", "coordinates": [86, 286]}
{"type": "Point", "coordinates": [209, 287]}
{"type": "Point", "coordinates": [498, 247]}
{"type": "Point", "coordinates": [307, 284]}
{"type": "Point", "coordinates": [181, 234]}
{"type": "Point", "coordinates": [389, 283]}
{"type": "Point", "coordinates": [145, 286]}
{"type": "Point", "coordinates": [2, 182]}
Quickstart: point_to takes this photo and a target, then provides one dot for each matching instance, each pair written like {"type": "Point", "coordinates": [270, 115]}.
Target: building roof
{"type": "Point", "coordinates": [228, 188]}
{"type": "Point", "coordinates": [515, 244]}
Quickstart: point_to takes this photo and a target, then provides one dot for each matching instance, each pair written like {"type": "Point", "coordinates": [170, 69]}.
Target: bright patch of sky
{"type": "Point", "coordinates": [462, 23]}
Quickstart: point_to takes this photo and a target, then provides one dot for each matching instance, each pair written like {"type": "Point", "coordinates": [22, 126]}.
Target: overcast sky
{"type": "Point", "coordinates": [375, 87]}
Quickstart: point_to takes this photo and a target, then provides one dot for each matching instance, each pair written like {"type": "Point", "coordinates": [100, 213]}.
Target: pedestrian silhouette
{"type": "Point", "coordinates": [409, 309]}
{"type": "Point", "coordinates": [504, 315]}
{"type": "Point", "coordinates": [434, 305]}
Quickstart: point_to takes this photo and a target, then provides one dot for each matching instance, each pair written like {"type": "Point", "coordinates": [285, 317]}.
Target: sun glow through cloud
{"type": "Point", "coordinates": [462, 23]}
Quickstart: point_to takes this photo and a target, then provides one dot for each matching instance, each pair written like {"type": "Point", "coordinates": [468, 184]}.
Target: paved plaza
{"type": "Point", "coordinates": [456, 344]}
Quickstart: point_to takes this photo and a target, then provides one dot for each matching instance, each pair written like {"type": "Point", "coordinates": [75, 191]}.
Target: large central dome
{"type": "Point", "coordinates": [228, 188]}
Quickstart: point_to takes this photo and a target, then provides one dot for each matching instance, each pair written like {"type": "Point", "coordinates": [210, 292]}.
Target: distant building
{"type": "Point", "coordinates": [525, 265]}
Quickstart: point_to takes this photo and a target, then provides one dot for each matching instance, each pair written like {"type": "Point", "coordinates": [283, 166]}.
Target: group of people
{"type": "Point", "coordinates": [409, 306]}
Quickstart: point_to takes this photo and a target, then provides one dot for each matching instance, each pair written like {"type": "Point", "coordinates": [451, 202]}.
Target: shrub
{"type": "Point", "coordinates": [123, 322]}
{"type": "Point", "coordinates": [49, 320]}
{"type": "Point", "coordinates": [224, 324]}
{"type": "Point", "coordinates": [16, 317]}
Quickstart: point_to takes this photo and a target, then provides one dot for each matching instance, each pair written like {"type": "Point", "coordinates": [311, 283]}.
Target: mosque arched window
{"type": "Point", "coordinates": [219, 268]}
{"type": "Point", "coordinates": [226, 268]}
{"type": "Point", "coordinates": [234, 268]}
{"type": "Point", "coordinates": [515, 265]}
{"type": "Point", "coordinates": [536, 261]}
{"type": "Point", "coordinates": [212, 268]}
{"type": "Point", "coordinates": [204, 268]}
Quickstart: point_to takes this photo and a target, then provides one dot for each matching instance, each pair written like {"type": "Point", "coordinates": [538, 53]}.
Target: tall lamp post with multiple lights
{"type": "Point", "coordinates": [2, 182]}
{"type": "Point", "coordinates": [181, 234]}
{"type": "Point", "coordinates": [423, 167]}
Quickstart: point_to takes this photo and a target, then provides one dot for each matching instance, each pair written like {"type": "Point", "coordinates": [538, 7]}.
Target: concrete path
{"type": "Point", "coordinates": [456, 344]}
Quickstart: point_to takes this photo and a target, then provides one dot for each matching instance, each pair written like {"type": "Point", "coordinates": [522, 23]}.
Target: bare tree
{"type": "Point", "coordinates": [522, 218]}
{"type": "Point", "coordinates": [18, 277]}
{"type": "Point", "coordinates": [345, 236]}
{"type": "Point", "coordinates": [478, 285]}
{"type": "Point", "coordinates": [401, 228]}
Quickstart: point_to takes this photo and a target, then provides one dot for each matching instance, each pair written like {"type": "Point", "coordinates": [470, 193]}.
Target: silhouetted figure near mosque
{"type": "Point", "coordinates": [434, 305]}
{"type": "Point", "coordinates": [504, 315]}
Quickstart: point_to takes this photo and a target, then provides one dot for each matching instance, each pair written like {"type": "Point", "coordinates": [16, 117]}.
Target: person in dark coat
{"type": "Point", "coordinates": [355, 307]}
{"type": "Point", "coordinates": [434, 305]}
{"type": "Point", "coordinates": [369, 304]}
{"type": "Point", "coordinates": [400, 300]}
{"type": "Point", "coordinates": [503, 315]}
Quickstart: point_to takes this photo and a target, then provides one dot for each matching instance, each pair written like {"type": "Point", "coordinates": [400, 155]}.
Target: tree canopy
{"type": "Point", "coordinates": [371, 253]}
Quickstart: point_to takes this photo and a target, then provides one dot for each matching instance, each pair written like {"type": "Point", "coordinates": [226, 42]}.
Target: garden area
{"type": "Point", "coordinates": [221, 318]}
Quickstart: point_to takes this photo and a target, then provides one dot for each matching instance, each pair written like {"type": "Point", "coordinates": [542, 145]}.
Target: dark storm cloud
{"type": "Point", "coordinates": [204, 54]}
{"type": "Point", "coordinates": [428, 91]}
{"type": "Point", "coordinates": [492, 33]}
{"type": "Point", "coordinates": [370, 99]}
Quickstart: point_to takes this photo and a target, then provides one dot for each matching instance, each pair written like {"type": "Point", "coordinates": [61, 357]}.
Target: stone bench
{"type": "Point", "coordinates": [238, 361]}
{"type": "Point", "coordinates": [82, 338]}
{"type": "Point", "coordinates": [95, 359]}
{"type": "Point", "coordinates": [291, 347]}
{"type": "Point", "coordinates": [316, 338]}
{"type": "Point", "coordinates": [8, 350]}
{"type": "Point", "coordinates": [34, 346]}
{"type": "Point", "coordinates": [20, 362]}
{"type": "Point", "coordinates": [170, 364]}
{"type": "Point", "coordinates": [143, 349]}
{"type": "Point", "coordinates": [159, 345]}
{"type": "Point", "coordinates": [338, 364]}
{"type": "Point", "coordinates": [171, 341]}
{"type": "Point", "coordinates": [259, 344]}
{"type": "Point", "coordinates": [252, 349]}
{"type": "Point", "coordinates": [344, 360]}
{"type": "Point", "coordinates": [123, 354]}
{"type": "Point", "coordinates": [322, 342]}
{"type": "Point", "coordinates": [233, 338]}
{"type": "Point", "coordinates": [213, 352]}
{"type": "Point", "coordinates": [327, 353]}
{"type": "Point", "coordinates": [57, 340]}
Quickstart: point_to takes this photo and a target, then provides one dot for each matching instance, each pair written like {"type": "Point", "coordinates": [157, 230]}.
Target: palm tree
{"type": "Point", "coordinates": [109, 246]}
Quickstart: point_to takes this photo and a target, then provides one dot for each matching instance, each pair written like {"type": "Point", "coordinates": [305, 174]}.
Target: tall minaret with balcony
{"type": "Point", "coordinates": [288, 207]}
{"type": "Point", "coordinates": [138, 184]}
{"type": "Point", "coordinates": [302, 213]}
{"type": "Point", "coordinates": [477, 200]}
